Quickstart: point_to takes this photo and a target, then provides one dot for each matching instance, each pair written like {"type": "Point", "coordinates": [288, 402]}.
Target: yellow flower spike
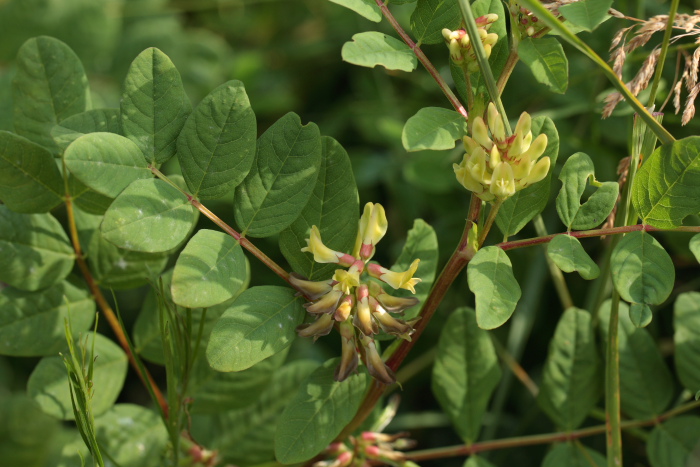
{"type": "Point", "coordinates": [465, 178]}
{"type": "Point", "coordinates": [481, 134]}
{"type": "Point", "coordinates": [498, 131]}
{"type": "Point", "coordinates": [521, 168]}
{"type": "Point", "coordinates": [321, 327]}
{"type": "Point", "coordinates": [492, 116]}
{"type": "Point", "coordinates": [494, 158]}
{"type": "Point", "coordinates": [482, 33]}
{"type": "Point", "coordinates": [342, 313]}
{"type": "Point", "coordinates": [363, 317]}
{"type": "Point", "coordinates": [490, 39]}
{"type": "Point", "coordinates": [455, 51]}
{"type": "Point", "coordinates": [373, 226]}
{"type": "Point", "coordinates": [470, 144]}
{"type": "Point", "coordinates": [487, 50]}
{"type": "Point", "coordinates": [375, 365]}
{"type": "Point", "coordinates": [516, 147]}
{"type": "Point", "coordinates": [325, 304]}
{"type": "Point", "coordinates": [312, 289]}
{"type": "Point", "coordinates": [477, 164]}
{"type": "Point", "coordinates": [348, 359]}
{"type": "Point", "coordinates": [538, 172]}
{"type": "Point", "coordinates": [502, 181]}
{"type": "Point", "coordinates": [447, 34]}
{"type": "Point", "coordinates": [347, 280]}
{"type": "Point", "coordinates": [322, 254]}
{"type": "Point", "coordinates": [391, 325]}
{"type": "Point", "coordinates": [537, 148]}
{"type": "Point", "coordinates": [524, 124]}
{"type": "Point", "coordinates": [399, 279]}
{"type": "Point", "coordinates": [527, 140]}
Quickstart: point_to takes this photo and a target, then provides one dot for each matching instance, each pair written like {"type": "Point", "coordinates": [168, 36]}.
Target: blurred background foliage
{"type": "Point", "coordinates": [288, 55]}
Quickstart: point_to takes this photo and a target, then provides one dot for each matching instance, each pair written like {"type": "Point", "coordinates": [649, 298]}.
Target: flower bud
{"type": "Point", "coordinates": [524, 124]}
{"type": "Point", "coordinates": [322, 254]}
{"type": "Point", "coordinates": [373, 226]}
{"type": "Point", "coordinates": [536, 149]}
{"type": "Point", "coordinates": [480, 133]}
{"type": "Point", "coordinates": [318, 328]}
{"type": "Point", "coordinates": [477, 164]}
{"type": "Point", "coordinates": [398, 279]}
{"type": "Point", "coordinates": [363, 315]}
{"type": "Point", "coordinates": [343, 311]}
{"type": "Point", "coordinates": [375, 364]}
{"type": "Point", "coordinates": [326, 304]}
{"type": "Point", "coordinates": [349, 359]}
{"type": "Point", "coordinates": [311, 289]}
{"type": "Point", "coordinates": [538, 172]}
{"type": "Point", "coordinates": [395, 304]}
{"type": "Point", "coordinates": [502, 182]}
{"type": "Point", "coordinates": [391, 325]}
{"type": "Point", "coordinates": [465, 178]}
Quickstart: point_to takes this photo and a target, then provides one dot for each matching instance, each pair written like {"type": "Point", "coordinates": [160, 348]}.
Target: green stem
{"type": "Point", "coordinates": [508, 68]}
{"type": "Point", "coordinates": [458, 106]}
{"type": "Point", "coordinates": [613, 428]}
{"type": "Point", "coordinates": [664, 50]}
{"type": "Point", "coordinates": [483, 62]}
{"type": "Point", "coordinates": [484, 231]}
{"type": "Point", "coordinates": [552, 22]}
{"type": "Point", "coordinates": [557, 276]}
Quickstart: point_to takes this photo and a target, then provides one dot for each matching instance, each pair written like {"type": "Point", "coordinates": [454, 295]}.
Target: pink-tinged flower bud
{"type": "Point", "coordinates": [346, 280]}
{"type": "Point", "coordinates": [446, 33]}
{"type": "Point", "coordinates": [481, 134]}
{"type": "Point", "coordinates": [322, 254]}
{"type": "Point", "coordinates": [336, 448]}
{"type": "Point", "coordinates": [343, 311]}
{"type": "Point", "coordinates": [321, 327]}
{"type": "Point", "coordinates": [343, 460]}
{"type": "Point", "coordinates": [398, 279]}
{"type": "Point", "coordinates": [502, 181]}
{"type": "Point", "coordinates": [373, 226]}
{"type": "Point", "coordinates": [311, 289]}
{"type": "Point", "coordinates": [348, 359]}
{"type": "Point", "coordinates": [391, 325]}
{"type": "Point", "coordinates": [464, 41]}
{"type": "Point", "coordinates": [326, 304]}
{"type": "Point", "coordinates": [363, 317]}
{"type": "Point", "coordinates": [375, 364]}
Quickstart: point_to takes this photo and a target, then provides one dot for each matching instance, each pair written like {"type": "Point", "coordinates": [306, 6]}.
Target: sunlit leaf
{"type": "Point", "coordinates": [373, 48]}
{"type": "Point", "coordinates": [366, 8]}
{"type": "Point", "coordinates": [546, 59]}
{"type": "Point", "coordinates": [586, 14]}
{"type": "Point", "coordinates": [431, 16]}
{"type": "Point", "coordinates": [433, 128]}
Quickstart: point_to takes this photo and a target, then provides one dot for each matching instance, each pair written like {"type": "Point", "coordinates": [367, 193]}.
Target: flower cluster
{"type": "Point", "coordinates": [526, 23]}
{"type": "Point", "coordinates": [495, 166]}
{"type": "Point", "coordinates": [369, 446]}
{"type": "Point", "coordinates": [461, 50]}
{"type": "Point", "coordinates": [359, 307]}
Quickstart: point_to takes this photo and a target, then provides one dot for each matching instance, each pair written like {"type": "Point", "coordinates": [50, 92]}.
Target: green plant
{"type": "Point", "coordinates": [129, 195]}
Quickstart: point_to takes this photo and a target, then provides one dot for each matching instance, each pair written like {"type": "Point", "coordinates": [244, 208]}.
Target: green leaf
{"type": "Point", "coordinates": [50, 85]}
{"type": "Point", "coordinates": [90, 121]}
{"type": "Point", "coordinates": [643, 274]}
{"type": "Point", "coordinates": [32, 324]}
{"type": "Point", "coordinates": [499, 53]}
{"type": "Point", "coordinates": [106, 162]}
{"type": "Point", "coordinates": [214, 391]}
{"type": "Point", "coordinates": [667, 187]}
{"type": "Point", "coordinates": [373, 48]}
{"type": "Point", "coordinates": [576, 171]}
{"type": "Point", "coordinates": [154, 105]}
{"type": "Point", "coordinates": [569, 256]}
{"type": "Point", "coordinates": [525, 204]}
{"type": "Point", "coordinates": [646, 384]}
{"type": "Point", "coordinates": [282, 179]}
{"type": "Point", "coordinates": [217, 145]}
{"type": "Point", "coordinates": [26, 433]}
{"type": "Point", "coordinates": [573, 455]}
{"type": "Point", "coordinates": [586, 14]}
{"type": "Point", "coordinates": [117, 268]}
{"type": "Point", "coordinates": [421, 243]}
{"type": "Point", "coordinates": [34, 250]}
{"type": "Point", "coordinates": [694, 246]}
{"type": "Point", "coordinates": [686, 322]}
{"type": "Point", "coordinates": [431, 16]}
{"type": "Point", "coordinates": [318, 412]}
{"type": "Point", "coordinates": [433, 128]}
{"type": "Point", "coordinates": [48, 383]}
{"type": "Point", "coordinates": [260, 323]}
{"type": "Point", "coordinates": [546, 59]}
{"type": "Point", "coordinates": [333, 208]}
{"type": "Point", "coordinates": [132, 435]}
{"type": "Point", "coordinates": [246, 436]}
{"type": "Point", "coordinates": [573, 374]}
{"type": "Point", "coordinates": [149, 216]}
{"type": "Point", "coordinates": [210, 270]}
{"type": "Point", "coordinates": [366, 8]}
{"type": "Point", "coordinates": [466, 372]}
{"type": "Point", "coordinates": [29, 178]}
{"type": "Point", "coordinates": [490, 278]}
{"type": "Point", "coordinates": [674, 443]}
{"type": "Point", "coordinates": [431, 172]}
{"type": "Point", "coordinates": [476, 461]}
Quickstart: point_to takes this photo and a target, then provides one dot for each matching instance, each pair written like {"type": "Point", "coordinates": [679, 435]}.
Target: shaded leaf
{"type": "Point", "coordinates": [667, 187]}
{"type": "Point", "coordinates": [466, 372]}
{"type": "Point", "coordinates": [573, 455]}
{"type": "Point", "coordinates": [26, 433]}
{"type": "Point", "coordinates": [646, 384]}
{"type": "Point", "coordinates": [586, 14]}
{"type": "Point", "coordinates": [260, 323]}
{"type": "Point", "coordinates": [643, 274]}
{"type": "Point", "coordinates": [431, 16]}
{"type": "Point", "coordinates": [490, 278]}
{"type": "Point", "coordinates": [578, 168]}
{"type": "Point", "coordinates": [573, 374]}
{"type": "Point", "coordinates": [282, 179]}
{"type": "Point", "coordinates": [674, 443]}
{"type": "Point", "coordinates": [34, 250]}
{"type": "Point", "coordinates": [33, 323]}
{"type": "Point", "coordinates": [366, 8]}
{"type": "Point", "coordinates": [433, 128]}
{"type": "Point", "coordinates": [546, 59]}
{"type": "Point", "coordinates": [50, 85]}
{"type": "Point", "coordinates": [29, 178]}
{"type": "Point", "coordinates": [686, 322]}
{"type": "Point", "coordinates": [569, 256]}
{"type": "Point", "coordinates": [695, 246]}
{"type": "Point", "coordinates": [154, 105]}
{"type": "Point", "coordinates": [90, 121]}
{"type": "Point", "coordinates": [217, 145]}
{"type": "Point", "coordinates": [48, 383]}
{"type": "Point", "coordinates": [373, 48]}
{"type": "Point", "coordinates": [210, 270]}
{"type": "Point", "coordinates": [149, 216]}
{"type": "Point", "coordinates": [318, 412]}
{"type": "Point", "coordinates": [333, 208]}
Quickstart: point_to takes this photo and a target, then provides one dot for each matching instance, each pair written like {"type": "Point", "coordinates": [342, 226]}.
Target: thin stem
{"type": "Point", "coordinates": [484, 231]}
{"type": "Point", "coordinates": [613, 429]}
{"type": "Point", "coordinates": [552, 22]}
{"type": "Point", "coordinates": [557, 276]}
{"type": "Point", "coordinates": [483, 62]}
{"type": "Point", "coordinates": [547, 438]}
{"type": "Point", "coordinates": [106, 309]}
{"type": "Point", "coordinates": [664, 50]}
{"type": "Point", "coordinates": [515, 367]}
{"type": "Point", "coordinates": [508, 68]}
{"type": "Point", "coordinates": [244, 242]}
{"type": "Point", "coordinates": [458, 106]}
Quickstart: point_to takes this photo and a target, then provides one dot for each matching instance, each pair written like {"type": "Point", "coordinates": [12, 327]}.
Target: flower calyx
{"type": "Point", "coordinates": [354, 302]}
{"type": "Point", "coordinates": [461, 47]}
{"type": "Point", "coordinates": [495, 165]}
